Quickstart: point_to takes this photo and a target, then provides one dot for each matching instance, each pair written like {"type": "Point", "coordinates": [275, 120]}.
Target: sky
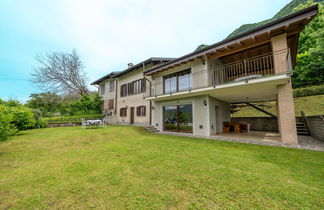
{"type": "Point", "coordinates": [108, 34]}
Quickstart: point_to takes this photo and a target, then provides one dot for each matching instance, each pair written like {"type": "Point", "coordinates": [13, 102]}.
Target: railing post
{"type": "Point", "coordinates": [245, 67]}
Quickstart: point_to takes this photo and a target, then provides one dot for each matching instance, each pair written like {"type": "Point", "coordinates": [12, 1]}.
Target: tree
{"type": "Point", "coordinates": [309, 68]}
{"type": "Point", "coordinates": [60, 72]}
{"type": "Point", "coordinates": [46, 102]}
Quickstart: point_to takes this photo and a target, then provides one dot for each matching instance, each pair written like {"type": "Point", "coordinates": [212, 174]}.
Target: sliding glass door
{"type": "Point", "coordinates": [178, 118]}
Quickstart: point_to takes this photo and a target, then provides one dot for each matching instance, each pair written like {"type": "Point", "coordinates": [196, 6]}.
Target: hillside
{"type": "Point", "coordinates": [286, 10]}
{"type": "Point", "coordinates": [311, 105]}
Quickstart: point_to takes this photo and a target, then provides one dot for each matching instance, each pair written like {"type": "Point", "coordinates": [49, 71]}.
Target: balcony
{"type": "Point", "coordinates": [244, 70]}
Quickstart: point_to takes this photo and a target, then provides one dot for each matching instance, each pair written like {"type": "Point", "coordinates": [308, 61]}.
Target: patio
{"type": "Point", "coordinates": [261, 138]}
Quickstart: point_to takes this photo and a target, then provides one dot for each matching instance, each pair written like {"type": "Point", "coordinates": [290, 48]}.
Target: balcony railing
{"type": "Point", "coordinates": [242, 70]}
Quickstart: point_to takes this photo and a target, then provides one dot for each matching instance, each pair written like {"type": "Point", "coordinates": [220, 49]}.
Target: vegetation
{"type": "Point", "coordinates": [122, 167]}
{"type": "Point", "coordinates": [309, 91]}
{"type": "Point", "coordinates": [309, 69]}
{"type": "Point", "coordinates": [15, 117]}
{"type": "Point", "coordinates": [71, 119]}
{"type": "Point", "coordinates": [60, 72]}
{"type": "Point", "coordinates": [311, 105]}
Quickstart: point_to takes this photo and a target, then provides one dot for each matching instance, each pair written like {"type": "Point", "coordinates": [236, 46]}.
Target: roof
{"type": "Point", "coordinates": [110, 75]}
{"type": "Point", "coordinates": [148, 61]}
{"type": "Point", "coordinates": [281, 22]}
{"type": "Point", "coordinates": [116, 74]}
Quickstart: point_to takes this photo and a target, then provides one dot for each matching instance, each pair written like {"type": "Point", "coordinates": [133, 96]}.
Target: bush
{"type": "Point", "coordinates": [23, 118]}
{"type": "Point", "coordinates": [6, 127]}
{"type": "Point", "coordinates": [86, 105]}
{"type": "Point", "coordinates": [40, 123]}
{"type": "Point", "coordinates": [309, 91]}
{"type": "Point", "coordinates": [70, 119]}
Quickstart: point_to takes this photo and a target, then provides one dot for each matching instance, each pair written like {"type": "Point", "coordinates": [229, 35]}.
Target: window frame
{"type": "Point", "coordinates": [123, 90]}
{"type": "Point", "coordinates": [111, 103]}
{"type": "Point", "coordinates": [111, 86]}
{"type": "Point", "coordinates": [123, 112]}
{"type": "Point", "coordinates": [102, 89]}
{"type": "Point", "coordinates": [176, 75]}
{"type": "Point", "coordinates": [141, 111]}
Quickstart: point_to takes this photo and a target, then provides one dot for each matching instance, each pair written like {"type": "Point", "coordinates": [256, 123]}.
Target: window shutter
{"type": "Point", "coordinates": [144, 111]}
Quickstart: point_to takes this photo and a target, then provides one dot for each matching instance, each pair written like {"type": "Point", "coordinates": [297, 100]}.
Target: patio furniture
{"type": "Point", "coordinates": [104, 122]}
{"type": "Point", "coordinates": [94, 122]}
{"type": "Point", "coordinates": [235, 127]}
{"type": "Point", "coordinates": [84, 123]}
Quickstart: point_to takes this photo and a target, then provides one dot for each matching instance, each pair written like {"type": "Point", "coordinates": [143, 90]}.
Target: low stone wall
{"type": "Point", "coordinates": [259, 123]}
{"type": "Point", "coordinates": [316, 126]}
{"type": "Point", "coordinates": [53, 125]}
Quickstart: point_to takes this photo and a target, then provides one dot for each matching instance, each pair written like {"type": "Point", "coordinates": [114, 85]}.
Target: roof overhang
{"type": "Point", "coordinates": [291, 24]}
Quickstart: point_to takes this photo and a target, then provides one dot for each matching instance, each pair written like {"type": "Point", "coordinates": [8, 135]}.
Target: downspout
{"type": "Point", "coordinates": [116, 95]}
{"type": "Point", "coordinates": [150, 94]}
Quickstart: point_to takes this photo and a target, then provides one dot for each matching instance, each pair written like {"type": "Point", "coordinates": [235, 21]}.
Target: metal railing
{"type": "Point", "coordinates": [242, 70]}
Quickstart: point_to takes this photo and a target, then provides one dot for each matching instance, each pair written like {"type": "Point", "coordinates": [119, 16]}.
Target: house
{"type": "Point", "coordinates": [193, 93]}
{"type": "Point", "coordinates": [123, 93]}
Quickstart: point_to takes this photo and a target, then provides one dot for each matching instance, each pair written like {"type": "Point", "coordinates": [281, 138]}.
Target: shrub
{"type": "Point", "coordinates": [86, 105]}
{"type": "Point", "coordinates": [40, 123]}
{"type": "Point", "coordinates": [309, 91]}
{"type": "Point", "coordinates": [68, 119]}
{"type": "Point", "coordinates": [23, 118]}
{"type": "Point", "coordinates": [6, 127]}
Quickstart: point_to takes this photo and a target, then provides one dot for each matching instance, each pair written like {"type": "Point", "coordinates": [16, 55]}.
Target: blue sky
{"type": "Point", "coordinates": [110, 34]}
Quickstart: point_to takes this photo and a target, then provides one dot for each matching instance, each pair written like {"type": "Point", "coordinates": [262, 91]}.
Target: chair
{"type": "Point", "coordinates": [84, 123]}
{"type": "Point", "coordinates": [103, 122]}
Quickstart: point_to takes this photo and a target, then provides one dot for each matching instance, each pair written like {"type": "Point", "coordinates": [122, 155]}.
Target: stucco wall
{"type": "Point", "coordinates": [204, 117]}
{"type": "Point", "coordinates": [112, 118]}
{"type": "Point", "coordinates": [219, 112]}
{"type": "Point", "coordinates": [132, 100]}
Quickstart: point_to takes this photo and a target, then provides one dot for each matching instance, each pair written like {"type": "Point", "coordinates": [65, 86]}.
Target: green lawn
{"type": "Point", "coordinates": [311, 105]}
{"type": "Point", "coordinates": [127, 167]}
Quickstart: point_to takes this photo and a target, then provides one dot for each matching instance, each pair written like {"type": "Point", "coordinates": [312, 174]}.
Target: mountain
{"type": "Point", "coordinates": [286, 10]}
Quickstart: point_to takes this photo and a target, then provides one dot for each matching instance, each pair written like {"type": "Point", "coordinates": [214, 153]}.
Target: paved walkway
{"type": "Point", "coordinates": [305, 142]}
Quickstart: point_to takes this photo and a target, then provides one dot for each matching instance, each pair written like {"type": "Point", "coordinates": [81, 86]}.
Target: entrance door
{"type": "Point", "coordinates": [132, 115]}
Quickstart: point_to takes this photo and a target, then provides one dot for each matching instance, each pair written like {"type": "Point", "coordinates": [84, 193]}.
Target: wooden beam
{"type": "Point", "coordinates": [245, 47]}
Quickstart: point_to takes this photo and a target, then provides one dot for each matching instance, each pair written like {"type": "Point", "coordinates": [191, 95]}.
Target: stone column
{"type": "Point", "coordinates": [285, 101]}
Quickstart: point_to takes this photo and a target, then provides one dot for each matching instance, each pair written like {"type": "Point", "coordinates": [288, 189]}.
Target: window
{"type": "Point", "coordinates": [178, 118]}
{"type": "Point", "coordinates": [111, 86]}
{"type": "Point", "coordinates": [133, 88]}
{"type": "Point", "coordinates": [141, 111]}
{"type": "Point", "coordinates": [102, 89]}
{"type": "Point", "coordinates": [111, 104]}
{"type": "Point", "coordinates": [179, 81]}
{"type": "Point", "coordinates": [123, 112]}
{"type": "Point", "coordinates": [123, 90]}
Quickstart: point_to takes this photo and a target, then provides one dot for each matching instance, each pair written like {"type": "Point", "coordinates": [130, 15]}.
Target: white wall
{"type": "Point", "coordinates": [204, 117]}
{"type": "Point", "coordinates": [216, 119]}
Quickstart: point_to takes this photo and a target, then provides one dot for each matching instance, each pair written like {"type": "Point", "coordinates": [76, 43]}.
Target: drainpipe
{"type": "Point", "coordinates": [150, 95]}
{"type": "Point", "coordinates": [116, 96]}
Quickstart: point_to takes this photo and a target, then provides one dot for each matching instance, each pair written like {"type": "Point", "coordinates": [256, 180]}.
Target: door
{"type": "Point", "coordinates": [178, 118]}
{"type": "Point", "coordinates": [132, 115]}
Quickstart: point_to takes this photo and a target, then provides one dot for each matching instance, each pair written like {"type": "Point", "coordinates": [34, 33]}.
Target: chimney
{"type": "Point", "coordinates": [130, 65]}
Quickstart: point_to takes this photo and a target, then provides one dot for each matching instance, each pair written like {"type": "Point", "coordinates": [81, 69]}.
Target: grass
{"type": "Point", "coordinates": [127, 167]}
{"type": "Point", "coordinates": [311, 105]}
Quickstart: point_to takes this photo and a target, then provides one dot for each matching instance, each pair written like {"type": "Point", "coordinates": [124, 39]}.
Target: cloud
{"type": "Point", "coordinates": [110, 33]}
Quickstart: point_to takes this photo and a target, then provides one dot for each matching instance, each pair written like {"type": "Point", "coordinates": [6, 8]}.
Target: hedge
{"type": "Point", "coordinates": [309, 91]}
{"type": "Point", "coordinates": [70, 119]}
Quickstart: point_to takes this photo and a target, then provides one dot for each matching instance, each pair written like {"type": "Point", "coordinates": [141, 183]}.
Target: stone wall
{"type": "Point", "coordinates": [316, 126]}
{"type": "Point", "coordinates": [259, 123]}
